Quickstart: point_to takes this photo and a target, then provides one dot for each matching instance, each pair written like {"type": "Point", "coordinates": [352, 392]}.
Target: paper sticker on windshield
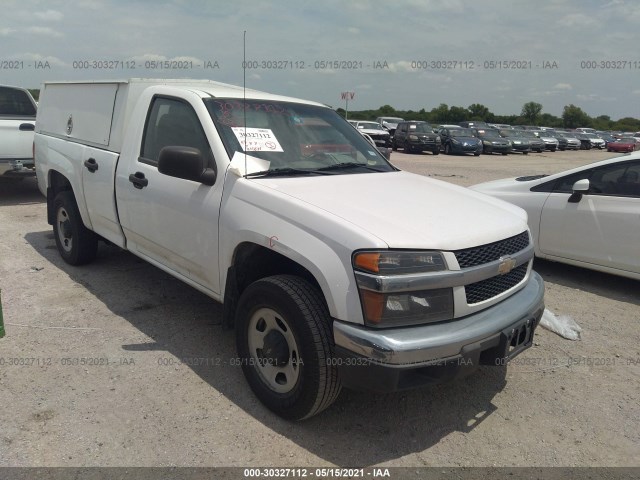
{"type": "Point", "coordinates": [412, 126]}
{"type": "Point", "coordinates": [257, 139]}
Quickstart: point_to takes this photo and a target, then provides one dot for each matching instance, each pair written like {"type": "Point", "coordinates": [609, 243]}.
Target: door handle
{"type": "Point", "coordinates": [91, 164]}
{"type": "Point", "coordinates": [138, 180]}
{"type": "Point", "coordinates": [27, 127]}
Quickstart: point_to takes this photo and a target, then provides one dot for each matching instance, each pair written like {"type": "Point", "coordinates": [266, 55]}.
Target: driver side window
{"type": "Point", "coordinates": [615, 180]}
{"type": "Point", "coordinates": [174, 123]}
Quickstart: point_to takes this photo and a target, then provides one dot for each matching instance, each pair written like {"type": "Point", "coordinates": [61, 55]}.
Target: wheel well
{"type": "Point", "coordinates": [57, 183]}
{"type": "Point", "coordinates": [252, 262]}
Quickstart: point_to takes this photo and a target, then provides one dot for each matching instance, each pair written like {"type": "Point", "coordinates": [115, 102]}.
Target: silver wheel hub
{"type": "Point", "coordinates": [273, 350]}
{"type": "Point", "coordinates": [64, 230]}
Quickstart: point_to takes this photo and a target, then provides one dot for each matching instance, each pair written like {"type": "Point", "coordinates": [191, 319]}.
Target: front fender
{"type": "Point", "coordinates": [315, 239]}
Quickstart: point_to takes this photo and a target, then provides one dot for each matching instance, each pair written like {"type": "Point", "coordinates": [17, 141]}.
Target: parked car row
{"type": "Point", "coordinates": [478, 137]}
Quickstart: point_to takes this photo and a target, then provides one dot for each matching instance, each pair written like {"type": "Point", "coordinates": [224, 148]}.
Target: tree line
{"type": "Point", "coordinates": [531, 114]}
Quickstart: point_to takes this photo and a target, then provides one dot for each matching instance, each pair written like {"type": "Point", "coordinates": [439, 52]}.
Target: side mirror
{"type": "Point", "coordinates": [579, 188]}
{"type": "Point", "coordinates": [186, 163]}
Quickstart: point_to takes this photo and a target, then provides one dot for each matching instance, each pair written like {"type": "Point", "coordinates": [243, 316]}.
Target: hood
{"type": "Point", "coordinates": [401, 209]}
{"type": "Point", "coordinates": [372, 131]}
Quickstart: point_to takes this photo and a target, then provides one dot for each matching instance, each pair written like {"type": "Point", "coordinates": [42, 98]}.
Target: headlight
{"type": "Point", "coordinates": [486, 142]}
{"type": "Point", "coordinates": [413, 137]}
{"type": "Point", "coordinates": [516, 142]}
{"type": "Point", "coordinates": [383, 309]}
{"type": "Point", "coordinates": [398, 263]}
{"type": "Point", "coordinates": [438, 138]}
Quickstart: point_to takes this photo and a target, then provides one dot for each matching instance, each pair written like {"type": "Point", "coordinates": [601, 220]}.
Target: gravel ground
{"type": "Point", "coordinates": [118, 364]}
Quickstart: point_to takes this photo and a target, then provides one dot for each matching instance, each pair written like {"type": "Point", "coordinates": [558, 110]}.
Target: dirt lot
{"type": "Point", "coordinates": [91, 371]}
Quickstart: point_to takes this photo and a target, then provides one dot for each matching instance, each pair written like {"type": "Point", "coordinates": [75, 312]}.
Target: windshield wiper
{"type": "Point", "coordinates": [339, 166]}
{"type": "Point", "coordinates": [283, 171]}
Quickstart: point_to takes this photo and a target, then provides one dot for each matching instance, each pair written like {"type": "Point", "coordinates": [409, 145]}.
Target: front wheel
{"type": "Point", "coordinates": [285, 346]}
{"type": "Point", "coordinates": [447, 149]}
{"type": "Point", "coordinates": [436, 151]}
{"type": "Point", "coordinates": [76, 243]}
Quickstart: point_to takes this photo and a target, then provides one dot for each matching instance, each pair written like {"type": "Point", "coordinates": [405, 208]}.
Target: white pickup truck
{"type": "Point", "coordinates": [17, 120]}
{"type": "Point", "coordinates": [335, 268]}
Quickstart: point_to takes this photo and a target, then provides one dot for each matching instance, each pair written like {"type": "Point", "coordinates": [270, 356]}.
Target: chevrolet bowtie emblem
{"type": "Point", "coordinates": [506, 265]}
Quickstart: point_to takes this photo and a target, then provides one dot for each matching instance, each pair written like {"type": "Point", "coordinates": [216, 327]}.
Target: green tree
{"type": "Point", "coordinates": [573, 117]}
{"type": "Point", "coordinates": [387, 111]}
{"type": "Point", "coordinates": [458, 114]}
{"type": "Point", "coordinates": [440, 114]}
{"type": "Point", "coordinates": [530, 112]}
{"type": "Point", "coordinates": [478, 111]}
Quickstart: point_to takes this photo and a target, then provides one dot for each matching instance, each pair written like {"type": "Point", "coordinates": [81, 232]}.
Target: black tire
{"type": "Point", "coordinates": [505, 153]}
{"type": "Point", "coordinates": [525, 153]}
{"type": "Point", "coordinates": [476, 154]}
{"type": "Point", "coordinates": [76, 243]}
{"type": "Point", "coordinates": [407, 148]}
{"type": "Point", "coordinates": [447, 149]}
{"type": "Point", "coordinates": [289, 316]}
{"type": "Point", "coordinates": [436, 151]}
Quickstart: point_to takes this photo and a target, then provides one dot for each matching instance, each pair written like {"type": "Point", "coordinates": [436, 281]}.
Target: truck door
{"type": "Point", "coordinates": [171, 221]}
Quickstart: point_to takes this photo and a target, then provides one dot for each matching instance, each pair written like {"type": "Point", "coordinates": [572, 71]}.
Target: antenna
{"type": "Point", "coordinates": [244, 96]}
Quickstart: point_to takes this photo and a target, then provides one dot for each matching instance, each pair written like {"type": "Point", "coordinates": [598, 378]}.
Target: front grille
{"type": "Point", "coordinates": [491, 287]}
{"type": "Point", "coordinates": [470, 257]}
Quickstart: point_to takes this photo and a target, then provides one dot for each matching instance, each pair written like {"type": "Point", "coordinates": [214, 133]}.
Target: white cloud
{"type": "Point", "coordinates": [44, 31]}
{"type": "Point", "coordinates": [5, 32]}
{"type": "Point", "coordinates": [577, 20]}
{"type": "Point", "coordinates": [49, 15]}
{"type": "Point", "coordinates": [401, 66]}
{"type": "Point", "coordinates": [37, 57]}
{"type": "Point", "coordinates": [563, 86]}
{"type": "Point", "coordinates": [148, 57]}
{"type": "Point", "coordinates": [353, 30]}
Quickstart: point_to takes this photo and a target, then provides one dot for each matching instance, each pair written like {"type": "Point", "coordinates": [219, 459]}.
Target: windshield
{"type": "Point", "coordinates": [626, 140]}
{"type": "Point", "coordinates": [371, 126]}
{"type": "Point", "coordinates": [528, 134]}
{"type": "Point", "coordinates": [513, 133]}
{"type": "Point", "coordinates": [461, 132]}
{"type": "Point", "coordinates": [489, 134]}
{"type": "Point", "coordinates": [391, 119]}
{"type": "Point", "coordinates": [420, 128]}
{"type": "Point", "coordinates": [292, 136]}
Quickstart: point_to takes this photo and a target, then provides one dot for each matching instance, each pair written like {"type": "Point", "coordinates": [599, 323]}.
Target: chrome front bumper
{"type": "Point", "coordinates": [380, 360]}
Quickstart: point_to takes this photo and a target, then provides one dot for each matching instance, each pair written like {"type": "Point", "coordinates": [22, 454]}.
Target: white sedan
{"type": "Point", "coordinates": [588, 216]}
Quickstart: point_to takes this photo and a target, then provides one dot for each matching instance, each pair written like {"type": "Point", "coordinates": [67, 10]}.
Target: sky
{"type": "Point", "coordinates": [410, 54]}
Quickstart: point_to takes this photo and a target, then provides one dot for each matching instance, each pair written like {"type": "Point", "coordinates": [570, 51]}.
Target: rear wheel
{"type": "Point", "coordinates": [285, 346]}
{"type": "Point", "coordinates": [76, 243]}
